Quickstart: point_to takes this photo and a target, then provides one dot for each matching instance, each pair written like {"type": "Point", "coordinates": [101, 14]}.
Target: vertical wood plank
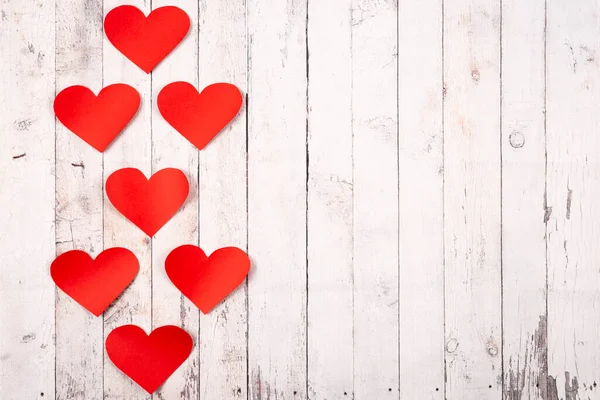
{"type": "Point", "coordinates": [27, 247]}
{"type": "Point", "coordinates": [79, 338]}
{"type": "Point", "coordinates": [523, 190]}
{"type": "Point", "coordinates": [277, 198]}
{"type": "Point", "coordinates": [223, 215]}
{"type": "Point", "coordinates": [330, 222]}
{"type": "Point", "coordinates": [472, 208]}
{"type": "Point", "coordinates": [375, 131]}
{"type": "Point", "coordinates": [172, 150]}
{"type": "Point", "coordinates": [421, 199]}
{"type": "Point", "coordinates": [573, 172]}
{"type": "Point", "coordinates": [131, 149]}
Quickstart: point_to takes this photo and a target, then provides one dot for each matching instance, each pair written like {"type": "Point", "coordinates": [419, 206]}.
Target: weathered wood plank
{"type": "Point", "coordinates": [330, 198]}
{"type": "Point", "coordinates": [573, 187]}
{"type": "Point", "coordinates": [223, 215]}
{"type": "Point", "coordinates": [277, 198]}
{"type": "Point", "coordinates": [27, 244]}
{"type": "Point", "coordinates": [131, 149]}
{"type": "Point", "coordinates": [172, 150]}
{"type": "Point", "coordinates": [421, 200]}
{"type": "Point", "coordinates": [472, 208]}
{"type": "Point", "coordinates": [375, 150]}
{"type": "Point", "coordinates": [79, 339]}
{"type": "Point", "coordinates": [523, 189]}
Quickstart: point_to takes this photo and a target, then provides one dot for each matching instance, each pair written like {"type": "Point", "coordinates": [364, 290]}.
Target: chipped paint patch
{"type": "Point", "coordinates": [540, 348]}
{"type": "Point", "coordinates": [516, 382]}
{"type": "Point", "coordinates": [571, 387]}
{"type": "Point", "coordinates": [28, 338]}
{"type": "Point", "coordinates": [552, 393]}
{"type": "Point", "coordinates": [23, 124]}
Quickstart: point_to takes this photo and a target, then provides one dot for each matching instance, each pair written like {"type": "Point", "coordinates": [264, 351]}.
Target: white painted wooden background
{"type": "Point", "coordinates": [417, 183]}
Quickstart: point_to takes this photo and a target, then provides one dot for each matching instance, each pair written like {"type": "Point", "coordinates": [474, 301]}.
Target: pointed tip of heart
{"type": "Point", "coordinates": [150, 233]}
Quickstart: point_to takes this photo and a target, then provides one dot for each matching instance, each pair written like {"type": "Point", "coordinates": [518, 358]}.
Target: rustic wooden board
{"type": "Point", "coordinates": [27, 195]}
{"type": "Point", "coordinates": [472, 192]}
{"type": "Point", "coordinates": [415, 182]}
{"type": "Point", "coordinates": [375, 185]}
{"type": "Point", "coordinates": [523, 201]}
{"type": "Point", "coordinates": [277, 112]}
{"type": "Point", "coordinates": [573, 150]}
{"type": "Point", "coordinates": [79, 199]}
{"type": "Point", "coordinates": [132, 149]}
{"type": "Point", "coordinates": [223, 200]}
{"type": "Point", "coordinates": [330, 202]}
{"type": "Point", "coordinates": [421, 200]}
{"type": "Point", "coordinates": [171, 150]}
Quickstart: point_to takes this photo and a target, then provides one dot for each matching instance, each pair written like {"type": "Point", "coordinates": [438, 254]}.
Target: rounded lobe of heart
{"type": "Point", "coordinates": [147, 203]}
{"type": "Point", "coordinates": [97, 119]}
{"type": "Point", "coordinates": [206, 281]}
{"type": "Point", "coordinates": [95, 284]}
{"type": "Point", "coordinates": [199, 117]}
{"type": "Point", "coordinates": [148, 360]}
{"type": "Point", "coordinates": [146, 41]}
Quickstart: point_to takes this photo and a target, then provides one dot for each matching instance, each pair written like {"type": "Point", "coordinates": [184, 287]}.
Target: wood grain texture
{"type": "Point", "coordinates": [573, 122]}
{"type": "Point", "coordinates": [330, 202]}
{"type": "Point", "coordinates": [79, 198]}
{"type": "Point", "coordinates": [277, 114]}
{"type": "Point", "coordinates": [172, 150]}
{"type": "Point", "coordinates": [415, 182]}
{"type": "Point", "coordinates": [523, 200]}
{"type": "Point", "coordinates": [131, 149]}
{"type": "Point", "coordinates": [472, 199]}
{"type": "Point", "coordinates": [27, 167]}
{"type": "Point", "coordinates": [421, 200]}
{"type": "Point", "coordinates": [375, 151]}
{"type": "Point", "coordinates": [223, 212]}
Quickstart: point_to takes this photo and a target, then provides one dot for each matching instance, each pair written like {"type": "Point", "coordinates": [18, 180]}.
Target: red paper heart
{"type": "Point", "coordinates": [94, 284]}
{"type": "Point", "coordinates": [148, 203]}
{"type": "Point", "coordinates": [199, 116]}
{"type": "Point", "coordinates": [148, 360]}
{"type": "Point", "coordinates": [97, 119]}
{"type": "Point", "coordinates": [206, 281]}
{"type": "Point", "coordinates": [146, 40]}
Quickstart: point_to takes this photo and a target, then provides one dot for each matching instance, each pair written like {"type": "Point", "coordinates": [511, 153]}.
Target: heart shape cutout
{"type": "Point", "coordinates": [95, 284]}
{"type": "Point", "coordinates": [199, 116]}
{"type": "Point", "coordinates": [206, 281]}
{"type": "Point", "coordinates": [97, 119]}
{"type": "Point", "coordinates": [148, 203]}
{"type": "Point", "coordinates": [148, 360]}
{"type": "Point", "coordinates": [146, 41]}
